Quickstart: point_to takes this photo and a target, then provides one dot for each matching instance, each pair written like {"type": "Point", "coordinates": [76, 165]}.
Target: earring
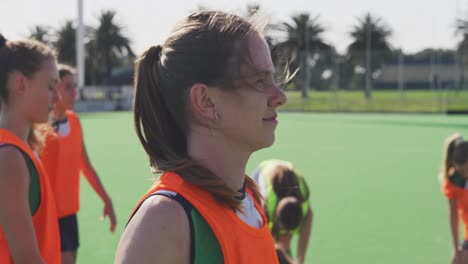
{"type": "Point", "coordinates": [216, 117]}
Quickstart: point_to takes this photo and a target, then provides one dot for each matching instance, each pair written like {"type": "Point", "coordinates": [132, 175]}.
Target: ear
{"type": "Point", "coordinates": [202, 101]}
{"type": "Point", "coordinates": [18, 83]}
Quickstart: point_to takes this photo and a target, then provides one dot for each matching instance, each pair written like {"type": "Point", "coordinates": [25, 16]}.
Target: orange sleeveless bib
{"type": "Point", "coordinates": [45, 220]}
{"type": "Point", "coordinates": [63, 160]}
{"type": "Point", "coordinates": [240, 243]}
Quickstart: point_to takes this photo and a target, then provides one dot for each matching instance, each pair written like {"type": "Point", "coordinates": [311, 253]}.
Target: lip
{"type": "Point", "coordinates": [271, 119]}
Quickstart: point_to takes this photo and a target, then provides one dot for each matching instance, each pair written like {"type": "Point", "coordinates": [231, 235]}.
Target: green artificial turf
{"type": "Point", "coordinates": [374, 190]}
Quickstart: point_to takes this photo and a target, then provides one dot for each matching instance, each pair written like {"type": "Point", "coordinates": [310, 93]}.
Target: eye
{"type": "Point", "coordinates": [264, 82]}
{"type": "Point", "coordinates": [260, 81]}
{"type": "Point", "coordinates": [259, 84]}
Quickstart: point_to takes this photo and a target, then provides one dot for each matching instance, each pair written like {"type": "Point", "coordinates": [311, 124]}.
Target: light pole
{"type": "Point", "coordinates": [80, 52]}
{"type": "Point", "coordinates": [304, 57]}
{"type": "Point", "coordinates": [368, 58]}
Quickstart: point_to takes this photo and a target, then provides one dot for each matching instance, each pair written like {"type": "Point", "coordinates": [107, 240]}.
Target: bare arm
{"type": "Point", "coordinates": [92, 177]}
{"type": "Point", "coordinates": [95, 182]}
{"type": "Point", "coordinates": [158, 233]}
{"type": "Point", "coordinates": [15, 215]}
{"type": "Point", "coordinates": [304, 237]}
{"type": "Point", "coordinates": [453, 216]}
{"type": "Point", "coordinates": [453, 219]}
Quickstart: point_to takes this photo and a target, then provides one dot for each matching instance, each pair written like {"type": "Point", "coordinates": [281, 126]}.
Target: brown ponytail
{"type": "Point", "coordinates": [154, 124]}
{"type": "Point", "coordinates": [37, 136]}
{"type": "Point", "coordinates": [288, 215]}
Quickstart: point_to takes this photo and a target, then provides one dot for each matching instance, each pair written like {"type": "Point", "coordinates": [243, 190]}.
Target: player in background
{"type": "Point", "coordinates": [65, 158]}
{"type": "Point", "coordinates": [279, 180]}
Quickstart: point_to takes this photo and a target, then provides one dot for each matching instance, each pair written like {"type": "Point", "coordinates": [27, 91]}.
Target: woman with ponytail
{"type": "Point", "coordinates": [454, 175]}
{"type": "Point", "coordinates": [286, 205]}
{"type": "Point", "coordinates": [205, 100]}
{"type": "Point", "coordinates": [28, 221]}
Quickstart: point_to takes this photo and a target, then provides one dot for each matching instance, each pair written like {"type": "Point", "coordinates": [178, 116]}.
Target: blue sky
{"type": "Point", "coordinates": [416, 24]}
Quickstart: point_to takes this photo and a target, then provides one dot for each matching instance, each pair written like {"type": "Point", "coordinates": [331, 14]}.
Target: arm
{"type": "Point", "coordinates": [283, 257]}
{"type": "Point", "coordinates": [158, 233]}
{"type": "Point", "coordinates": [93, 179]}
{"type": "Point", "coordinates": [304, 237]}
{"type": "Point", "coordinates": [15, 215]}
{"type": "Point", "coordinates": [453, 216]}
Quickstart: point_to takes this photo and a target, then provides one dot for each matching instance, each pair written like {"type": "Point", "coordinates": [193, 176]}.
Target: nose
{"type": "Point", "coordinates": [279, 98]}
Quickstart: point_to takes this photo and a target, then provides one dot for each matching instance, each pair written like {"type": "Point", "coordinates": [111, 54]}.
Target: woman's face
{"type": "Point", "coordinates": [67, 92]}
{"type": "Point", "coordinates": [248, 116]}
{"type": "Point", "coordinates": [40, 92]}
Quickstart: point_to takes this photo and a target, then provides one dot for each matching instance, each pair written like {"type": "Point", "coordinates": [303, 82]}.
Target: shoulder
{"type": "Point", "coordinates": [453, 186]}
{"type": "Point", "coordinates": [51, 138]}
{"type": "Point", "coordinates": [457, 179]}
{"type": "Point", "coordinates": [73, 117]}
{"type": "Point", "coordinates": [71, 114]}
{"type": "Point", "coordinates": [13, 168]}
{"type": "Point", "coordinates": [162, 207]}
{"type": "Point", "coordinates": [158, 230]}
{"type": "Point", "coordinates": [11, 157]}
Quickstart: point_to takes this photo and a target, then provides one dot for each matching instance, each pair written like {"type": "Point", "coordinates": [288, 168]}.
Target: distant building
{"type": "Point", "coordinates": [415, 76]}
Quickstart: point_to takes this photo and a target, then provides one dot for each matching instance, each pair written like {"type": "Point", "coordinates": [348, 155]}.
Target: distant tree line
{"type": "Point", "coordinates": [297, 43]}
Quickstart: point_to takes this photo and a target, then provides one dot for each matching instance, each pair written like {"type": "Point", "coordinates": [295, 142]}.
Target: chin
{"type": "Point", "coordinates": [42, 119]}
{"type": "Point", "coordinates": [45, 117]}
{"type": "Point", "coordinates": [270, 143]}
{"type": "Point", "coordinates": [266, 142]}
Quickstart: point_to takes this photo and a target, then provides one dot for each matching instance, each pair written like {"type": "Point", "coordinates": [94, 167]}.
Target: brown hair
{"type": "Point", "coordinates": [455, 153]}
{"type": "Point", "coordinates": [203, 48]}
{"type": "Point", "coordinates": [288, 215]}
{"type": "Point", "coordinates": [37, 136]}
{"type": "Point", "coordinates": [64, 70]}
{"type": "Point", "coordinates": [285, 183]}
{"type": "Point", "coordinates": [25, 56]}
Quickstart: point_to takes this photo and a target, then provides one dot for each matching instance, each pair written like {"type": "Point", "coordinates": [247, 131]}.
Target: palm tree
{"type": "Point", "coordinates": [65, 43]}
{"type": "Point", "coordinates": [462, 29]}
{"type": "Point", "coordinates": [40, 33]}
{"type": "Point", "coordinates": [200, 8]}
{"type": "Point", "coordinates": [370, 47]}
{"type": "Point", "coordinates": [252, 9]}
{"type": "Point", "coordinates": [110, 44]}
{"type": "Point", "coordinates": [303, 43]}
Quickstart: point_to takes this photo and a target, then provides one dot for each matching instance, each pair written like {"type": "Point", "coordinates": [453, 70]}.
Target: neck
{"type": "Point", "coordinates": [12, 121]}
{"type": "Point", "coordinates": [221, 156]}
{"type": "Point", "coordinates": [59, 113]}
